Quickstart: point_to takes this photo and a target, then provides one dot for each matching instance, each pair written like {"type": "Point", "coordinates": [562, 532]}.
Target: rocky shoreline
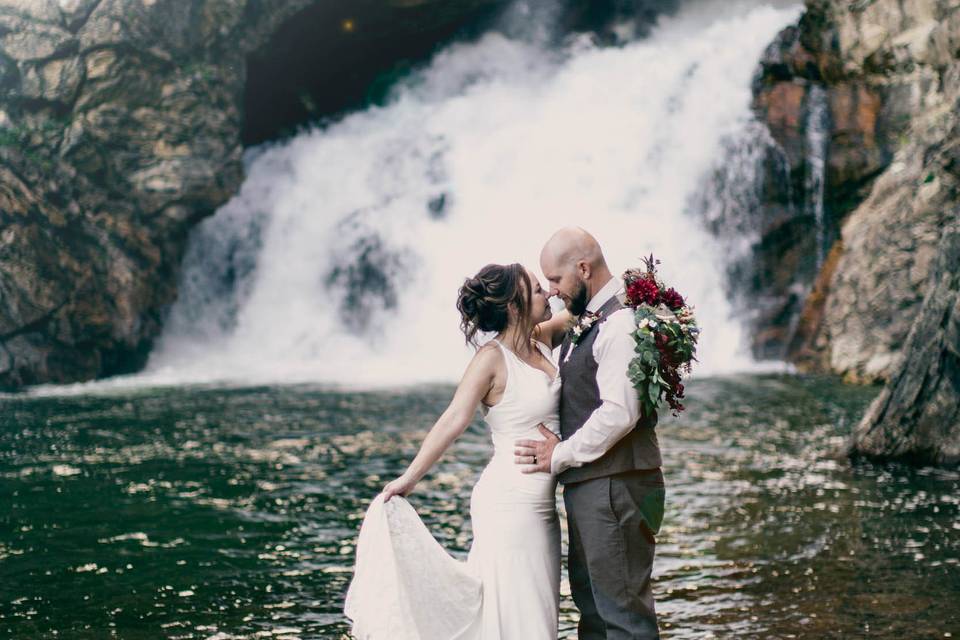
{"type": "Point", "coordinates": [917, 415]}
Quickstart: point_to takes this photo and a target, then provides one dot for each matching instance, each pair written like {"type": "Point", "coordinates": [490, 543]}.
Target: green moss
{"type": "Point", "coordinates": [14, 137]}
{"type": "Point", "coordinates": [20, 138]}
{"type": "Point", "coordinates": [201, 70]}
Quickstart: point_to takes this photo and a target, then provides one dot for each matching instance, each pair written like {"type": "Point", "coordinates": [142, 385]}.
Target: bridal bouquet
{"type": "Point", "coordinates": [665, 337]}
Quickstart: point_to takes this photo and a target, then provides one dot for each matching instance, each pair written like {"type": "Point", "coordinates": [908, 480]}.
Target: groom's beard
{"type": "Point", "coordinates": [579, 300]}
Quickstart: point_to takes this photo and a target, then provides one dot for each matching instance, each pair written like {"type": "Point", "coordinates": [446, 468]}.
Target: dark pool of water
{"type": "Point", "coordinates": [222, 513]}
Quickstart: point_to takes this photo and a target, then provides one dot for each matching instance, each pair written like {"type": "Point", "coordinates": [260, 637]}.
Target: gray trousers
{"type": "Point", "coordinates": [612, 522]}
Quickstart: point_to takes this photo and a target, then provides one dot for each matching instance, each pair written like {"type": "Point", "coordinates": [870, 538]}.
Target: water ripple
{"type": "Point", "coordinates": [233, 513]}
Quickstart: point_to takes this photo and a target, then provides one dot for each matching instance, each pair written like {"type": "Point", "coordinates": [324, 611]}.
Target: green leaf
{"type": "Point", "coordinates": [653, 393]}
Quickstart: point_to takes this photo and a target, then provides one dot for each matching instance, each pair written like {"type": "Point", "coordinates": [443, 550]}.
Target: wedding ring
{"type": "Point", "coordinates": [534, 459]}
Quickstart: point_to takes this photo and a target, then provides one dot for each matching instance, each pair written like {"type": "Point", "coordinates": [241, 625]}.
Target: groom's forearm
{"type": "Point", "coordinates": [604, 428]}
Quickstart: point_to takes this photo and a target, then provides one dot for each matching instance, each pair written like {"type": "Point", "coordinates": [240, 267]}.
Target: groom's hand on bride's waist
{"type": "Point", "coordinates": [536, 455]}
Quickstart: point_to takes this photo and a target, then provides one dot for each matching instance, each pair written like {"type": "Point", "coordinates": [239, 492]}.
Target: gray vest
{"type": "Point", "coordinates": [580, 397]}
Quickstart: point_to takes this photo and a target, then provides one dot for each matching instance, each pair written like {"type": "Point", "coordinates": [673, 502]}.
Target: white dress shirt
{"type": "Point", "coordinates": [619, 411]}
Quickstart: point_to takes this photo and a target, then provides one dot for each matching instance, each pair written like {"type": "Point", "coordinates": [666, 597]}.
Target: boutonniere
{"type": "Point", "coordinates": [584, 322]}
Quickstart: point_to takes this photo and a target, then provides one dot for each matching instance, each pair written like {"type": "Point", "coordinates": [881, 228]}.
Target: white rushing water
{"type": "Point", "coordinates": [817, 133]}
{"type": "Point", "coordinates": [478, 158]}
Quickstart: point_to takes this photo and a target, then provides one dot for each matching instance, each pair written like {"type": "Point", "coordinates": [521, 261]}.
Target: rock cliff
{"type": "Point", "coordinates": [887, 74]}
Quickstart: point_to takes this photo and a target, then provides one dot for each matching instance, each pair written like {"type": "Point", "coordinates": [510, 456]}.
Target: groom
{"type": "Point", "coordinates": [608, 460]}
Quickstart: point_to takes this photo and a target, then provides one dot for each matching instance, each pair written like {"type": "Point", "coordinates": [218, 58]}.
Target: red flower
{"type": "Point", "coordinates": [643, 291]}
{"type": "Point", "coordinates": [674, 393]}
{"type": "Point", "coordinates": [672, 299]}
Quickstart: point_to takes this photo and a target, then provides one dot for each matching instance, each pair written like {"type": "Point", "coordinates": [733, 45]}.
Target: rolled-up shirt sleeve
{"type": "Point", "coordinates": [619, 409]}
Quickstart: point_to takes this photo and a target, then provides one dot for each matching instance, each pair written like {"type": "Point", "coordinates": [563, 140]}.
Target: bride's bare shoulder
{"type": "Point", "coordinates": [487, 369]}
{"type": "Point", "coordinates": [487, 358]}
{"type": "Point", "coordinates": [489, 352]}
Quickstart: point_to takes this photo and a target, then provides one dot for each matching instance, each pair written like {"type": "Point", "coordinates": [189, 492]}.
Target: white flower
{"type": "Point", "coordinates": [577, 330]}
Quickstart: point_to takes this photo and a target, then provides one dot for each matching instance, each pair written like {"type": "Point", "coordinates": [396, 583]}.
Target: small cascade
{"type": "Point", "coordinates": [817, 138]}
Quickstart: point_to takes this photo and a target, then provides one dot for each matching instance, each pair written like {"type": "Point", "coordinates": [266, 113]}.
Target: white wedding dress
{"type": "Point", "coordinates": [407, 587]}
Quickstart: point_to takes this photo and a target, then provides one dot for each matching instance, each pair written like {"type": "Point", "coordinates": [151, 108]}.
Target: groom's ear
{"type": "Point", "coordinates": [583, 268]}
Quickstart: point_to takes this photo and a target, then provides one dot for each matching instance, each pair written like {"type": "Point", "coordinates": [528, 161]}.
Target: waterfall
{"type": "Point", "coordinates": [340, 258]}
{"type": "Point", "coordinates": [816, 131]}
{"type": "Point", "coordinates": [733, 202]}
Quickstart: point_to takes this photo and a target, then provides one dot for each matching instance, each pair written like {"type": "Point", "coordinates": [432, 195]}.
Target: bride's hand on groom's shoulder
{"type": "Point", "coordinates": [402, 486]}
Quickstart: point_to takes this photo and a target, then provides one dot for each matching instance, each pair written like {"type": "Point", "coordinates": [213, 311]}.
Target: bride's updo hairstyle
{"type": "Point", "coordinates": [485, 301]}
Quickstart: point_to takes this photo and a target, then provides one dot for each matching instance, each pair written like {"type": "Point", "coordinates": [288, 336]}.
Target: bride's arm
{"type": "Point", "coordinates": [476, 383]}
{"type": "Point", "coordinates": [551, 331]}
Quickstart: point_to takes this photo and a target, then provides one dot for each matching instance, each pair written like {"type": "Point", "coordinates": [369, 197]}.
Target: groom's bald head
{"type": "Point", "coordinates": [571, 245]}
{"type": "Point", "coordinates": [574, 266]}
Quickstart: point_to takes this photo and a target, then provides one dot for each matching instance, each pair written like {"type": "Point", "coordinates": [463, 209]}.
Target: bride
{"type": "Point", "coordinates": [405, 585]}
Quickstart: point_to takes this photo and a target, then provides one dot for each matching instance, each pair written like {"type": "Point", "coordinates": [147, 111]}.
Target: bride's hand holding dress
{"type": "Point", "coordinates": [402, 486]}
